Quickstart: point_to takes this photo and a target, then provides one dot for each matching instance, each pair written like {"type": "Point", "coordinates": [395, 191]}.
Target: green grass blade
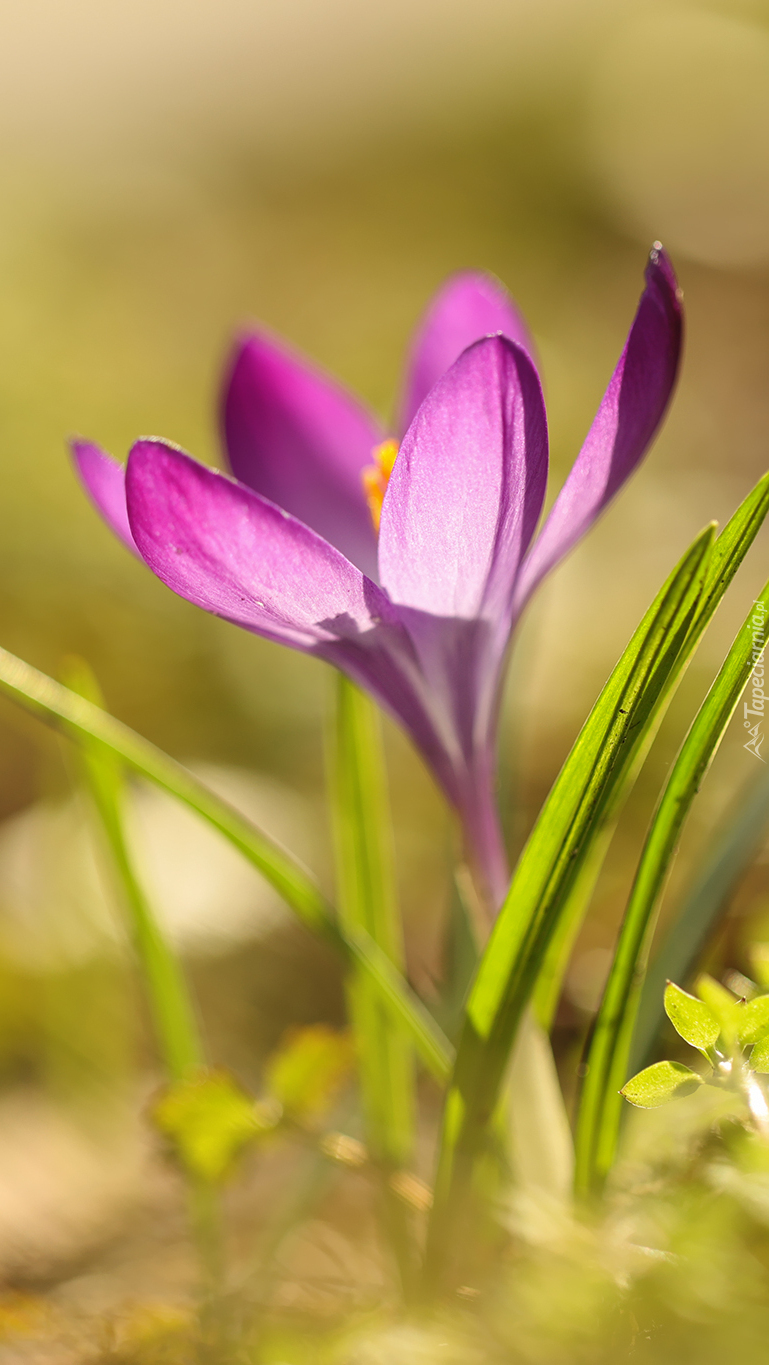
{"type": "Point", "coordinates": [367, 899]}
{"type": "Point", "coordinates": [168, 997]}
{"type": "Point", "coordinates": [705, 903]}
{"type": "Point", "coordinates": [546, 873]}
{"type": "Point", "coordinates": [602, 753]}
{"type": "Point", "coordinates": [607, 1060]}
{"type": "Point", "coordinates": [169, 1002]}
{"type": "Point", "coordinates": [555, 961]}
{"type": "Point", "coordinates": [729, 550]}
{"type": "Point", "coordinates": [79, 718]}
{"type": "Point", "coordinates": [430, 1042]}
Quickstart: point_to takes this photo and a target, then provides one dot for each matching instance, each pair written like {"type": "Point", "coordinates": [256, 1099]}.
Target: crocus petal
{"type": "Point", "coordinates": [459, 512]}
{"type": "Point", "coordinates": [230, 551]}
{"type": "Point", "coordinates": [624, 426]}
{"type": "Point", "coordinates": [301, 440]}
{"type": "Point", "coordinates": [469, 306]}
{"type": "Point", "coordinates": [104, 481]}
{"type": "Point", "coordinates": [467, 487]}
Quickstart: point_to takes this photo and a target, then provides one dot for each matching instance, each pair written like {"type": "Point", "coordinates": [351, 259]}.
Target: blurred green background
{"type": "Point", "coordinates": [170, 170]}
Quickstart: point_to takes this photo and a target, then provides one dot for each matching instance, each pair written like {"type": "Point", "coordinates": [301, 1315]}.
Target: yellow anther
{"type": "Point", "coordinates": [376, 477]}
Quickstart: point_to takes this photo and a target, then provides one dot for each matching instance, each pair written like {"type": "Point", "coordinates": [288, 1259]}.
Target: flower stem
{"type": "Point", "coordinates": [485, 851]}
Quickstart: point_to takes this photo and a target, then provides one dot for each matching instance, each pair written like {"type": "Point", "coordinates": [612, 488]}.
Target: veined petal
{"type": "Point", "coordinates": [460, 509]}
{"type": "Point", "coordinates": [301, 440]}
{"type": "Point", "coordinates": [624, 426]}
{"type": "Point", "coordinates": [104, 481]}
{"type": "Point", "coordinates": [229, 550]}
{"type": "Point", "coordinates": [466, 491]}
{"type": "Point", "coordinates": [470, 305]}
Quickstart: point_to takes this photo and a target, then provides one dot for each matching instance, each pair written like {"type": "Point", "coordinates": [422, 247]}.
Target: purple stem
{"type": "Point", "coordinates": [484, 846]}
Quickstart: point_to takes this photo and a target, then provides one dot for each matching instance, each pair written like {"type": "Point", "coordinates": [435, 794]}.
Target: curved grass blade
{"type": "Point", "coordinates": [367, 899]}
{"type": "Point", "coordinates": [607, 1059]}
{"type": "Point", "coordinates": [170, 1004]}
{"type": "Point", "coordinates": [729, 550]}
{"type": "Point", "coordinates": [65, 710]}
{"type": "Point", "coordinates": [168, 997]}
{"type": "Point", "coordinates": [546, 873]}
{"type": "Point", "coordinates": [686, 939]}
{"type": "Point", "coordinates": [555, 962]}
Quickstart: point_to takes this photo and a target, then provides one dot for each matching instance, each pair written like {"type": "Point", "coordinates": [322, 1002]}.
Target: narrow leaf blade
{"type": "Point", "coordinates": [547, 871]}
{"type": "Point", "coordinates": [168, 996]}
{"type": "Point", "coordinates": [58, 706]}
{"type": "Point", "coordinates": [599, 1113]}
{"type": "Point", "coordinates": [729, 550]}
{"type": "Point", "coordinates": [367, 900]}
{"type": "Point", "coordinates": [683, 944]}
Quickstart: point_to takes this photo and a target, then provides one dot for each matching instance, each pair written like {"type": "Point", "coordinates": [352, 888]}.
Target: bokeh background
{"type": "Point", "coordinates": [170, 169]}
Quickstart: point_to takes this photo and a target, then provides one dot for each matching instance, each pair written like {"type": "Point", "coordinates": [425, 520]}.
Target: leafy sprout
{"type": "Point", "coordinates": [731, 1034]}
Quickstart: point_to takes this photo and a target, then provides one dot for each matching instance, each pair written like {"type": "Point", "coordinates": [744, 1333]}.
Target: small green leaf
{"type": "Point", "coordinates": [721, 1003]}
{"type": "Point", "coordinates": [753, 1020]}
{"type": "Point", "coordinates": [659, 1083]}
{"type": "Point", "coordinates": [306, 1071]}
{"type": "Point", "coordinates": [690, 1018]}
{"type": "Point", "coordinates": [208, 1119]}
{"type": "Point", "coordinates": [759, 1057]}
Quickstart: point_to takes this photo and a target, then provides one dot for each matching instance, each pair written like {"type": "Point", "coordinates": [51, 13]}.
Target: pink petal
{"type": "Point", "coordinates": [234, 553]}
{"type": "Point", "coordinates": [467, 487]}
{"type": "Point", "coordinates": [459, 512]}
{"type": "Point", "coordinates": [239, 556]}
{"type": "Point", "coordinates": [104, 481]}
{"type": "Point", "coordinates": [470, 305]}
{"type": "Point", "coordinates": [624, 426]}
{"type": "Point", "coordinates": [301, 440]}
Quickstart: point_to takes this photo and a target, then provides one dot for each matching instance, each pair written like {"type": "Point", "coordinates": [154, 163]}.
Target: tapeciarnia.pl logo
{"type": "Point", "coordinates": [755, 707]}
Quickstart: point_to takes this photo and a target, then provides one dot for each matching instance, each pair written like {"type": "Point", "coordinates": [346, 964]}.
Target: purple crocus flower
{"type": "Point", "coordinates": [416, 607]}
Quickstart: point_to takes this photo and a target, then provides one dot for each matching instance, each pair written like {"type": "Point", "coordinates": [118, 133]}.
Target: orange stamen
{"type": "Point", "coordinates": [376, 477]}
